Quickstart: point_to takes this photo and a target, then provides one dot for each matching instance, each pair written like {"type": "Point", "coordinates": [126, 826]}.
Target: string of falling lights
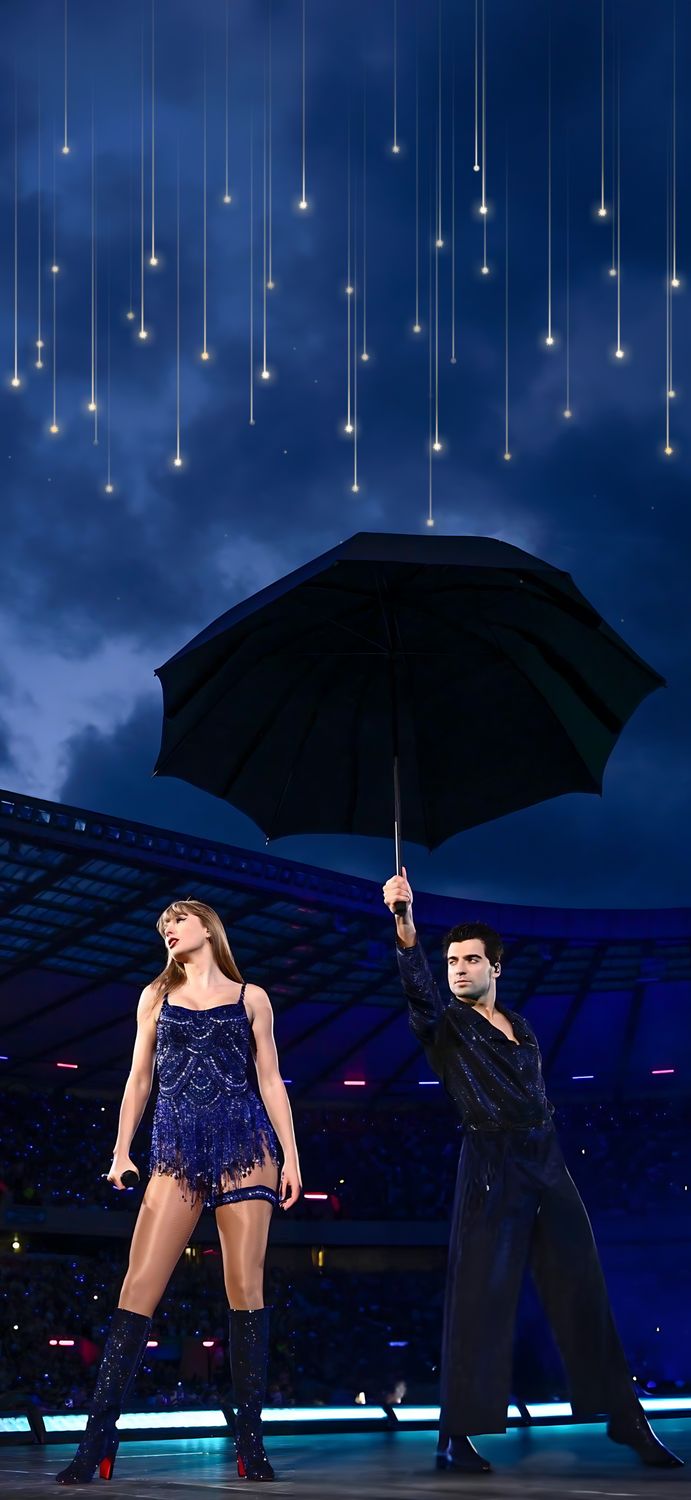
{"type": "Point", "coordinates": [507, 450]}
{"type": "Point", "coordinates": [395, 147]}
{"type": "Point", "coordinates": [349, 292]}
{"type": "Point", "coordinates": [227, 198]}
{"type": "Point", "coordinates": [356, 484]}
{"type": "Point", "coordinates": [205, 210]}
{"type": "Point", "coordinates": [39, 237]}
{"type": "Point", "coordinates": [442, 155]}
{"type": "Point", "coordinates": [430, 364]}
{"type": "Point", "coordinates": [669, 387]}
{"type": "Point", "coordinates": [143, 332]}
{"type": "Point", "coordinates": [364, 353]}
{"type": "Point", "coordinates": [303, 204]}
{"type": "Point", "coordinates": [153, 258]}
{"type": "Point", "coordinates": [54, 269]}
{"type": "Point", "coordinates": [549, 340]}
{"type": "Point", "coordinates": [568, 412]}
{"type": "Point", "coordinates": [270, 281]}
{"type": "Point", "coordinates": [65, 143]}
{"type": "Point", "coordinates": [15, 281]}
{"type": "Point", "coordinates": [265, 373]}
{"type": "Point", "coordinates": [177, 461]}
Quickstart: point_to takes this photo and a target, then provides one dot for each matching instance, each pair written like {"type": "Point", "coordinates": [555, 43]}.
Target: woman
{"type": "Point", "coordinates": [214, 1141]}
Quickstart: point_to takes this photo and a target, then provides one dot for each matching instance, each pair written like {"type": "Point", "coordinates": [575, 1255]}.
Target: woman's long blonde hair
{"type": "Point", "coordinates": [173, 975]}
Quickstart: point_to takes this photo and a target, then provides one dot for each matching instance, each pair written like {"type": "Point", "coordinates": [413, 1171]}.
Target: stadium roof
{"type": "Point", "coordinates": [607, 991]}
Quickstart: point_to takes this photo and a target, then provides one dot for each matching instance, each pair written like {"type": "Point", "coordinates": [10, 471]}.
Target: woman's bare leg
{"type": "Point", "coordinates": [164, 1225]}
{"type": "Point", "coordinates": [243, 1231]}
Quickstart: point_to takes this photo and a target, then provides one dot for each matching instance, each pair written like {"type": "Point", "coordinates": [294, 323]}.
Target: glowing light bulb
{"type": "Point", "coordinates": [39, 343]}
{"type": "Point", "coordinates": [15, 381]}
{"type": "Point", "coordinates": [205, 354]}
{"type": "Point", "coordinates": [671, 395]}
{"type": "Point", "coordinates": [348, 427]}
{"type": "Point", "coordinates": [303, 203]}
{"type": "Point", "coordinates": [177, 463]}
{"type": "Point", "coordinates": [417, 328]}
{"type": "Point", "coordinates": [54, 427]}
{"type": "Point", "coordinates": [153, 260]}
{"type": "Point", "coordinates": [668, 450]}
{"type": "Point", "coordinates": [55, 270]}
{"type": "Point", "coordinates": [143, 333]}
{"type": "Point", "coordinates": [266, 374]}
{"type": "Point", "coordinates": [549, 340]}
{"type": "Point", "coordinates": [270, 286]}
{"type": "Point", "coordinates": [355, 488]}
{"type": "Point", "coordinates": [612, 270]}
{"type": "Point", "coordinates": [430, 520]}
{"type": "Point", "coordinates": [676, 281]}
{"type": "Point", "coordinates": [507, 456]}
{"type": "Point", "coordinates": [619, 353]}
{"type": "Point", "coordinates": [567, 412]}
{"type": "Point", "coordinates": [485, 270]}
{"type": "Point", "coordinates": [109, 489]}
{"type": "Point", "coordinates": [349, 291]}
{"type": "Point", "coordinates": [39, 364]}
{"type": "Point", "coordinates": [483, 208]}
{"type": "Point", "coordinates": [92, 406]}
{"type": "Point", "coordinates": [395, 150]}
{"type": "Point", "coordinates": [602, 213]}
{"type": "Point", "coordinates": [437, 446]}
{"type": "Point", "coordinates": [364, 356]}
{"type": "Point", "coordinates": [65, 150]}
{"type": "Point", "coordinates": [476, 166]}
{"type": "Point", "coordinates": [227, 198]}
{"type": "Point", "coordinates": [130, 316]}
{"type": "Point", "coordinates": [439, 244]}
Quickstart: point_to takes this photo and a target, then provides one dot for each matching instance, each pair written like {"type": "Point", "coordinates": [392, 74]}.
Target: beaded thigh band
{"type": "Point", "coordinates": [239, 1195]}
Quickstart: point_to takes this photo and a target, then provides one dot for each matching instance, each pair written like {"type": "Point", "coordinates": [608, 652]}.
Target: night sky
{"type": "Point", "coordinates": [98, 588]}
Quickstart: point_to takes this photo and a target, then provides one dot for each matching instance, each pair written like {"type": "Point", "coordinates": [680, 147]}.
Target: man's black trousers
{"type": "Point", "coordinates": [515, 1206]}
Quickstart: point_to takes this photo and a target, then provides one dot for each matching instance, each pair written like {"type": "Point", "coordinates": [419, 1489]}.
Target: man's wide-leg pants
{"type": "Point", "coordinates": [515, 1206]}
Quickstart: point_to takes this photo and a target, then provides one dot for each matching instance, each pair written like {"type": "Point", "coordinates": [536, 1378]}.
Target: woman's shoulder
{"type": "Point", "coordinates": [150, 1002]}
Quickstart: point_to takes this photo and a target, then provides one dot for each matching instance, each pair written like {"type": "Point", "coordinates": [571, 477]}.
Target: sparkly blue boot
{"type": "Point", "coordinates": [249, 1357]}
{"type": "Point", "coordinates": [127, 1340]}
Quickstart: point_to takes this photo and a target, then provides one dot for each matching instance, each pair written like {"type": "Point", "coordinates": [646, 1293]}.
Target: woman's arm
{"type": "Point", "coordinates": [137, 1088]}
{"type": "Point", "coordinates": [273, 1091]}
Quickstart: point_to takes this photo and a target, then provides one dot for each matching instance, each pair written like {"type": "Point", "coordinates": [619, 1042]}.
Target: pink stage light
{"type": "Point", "coordinates": [317, 1197]}
{"type": "Point", "coordinates": [152, 1344]}
{"type": "Point", "coordinates": [354, 1083]}
{"type": "Point", "coordinates": [208, 1343]}
{"type": "Point", "coordinates": [53, 1342]}
{"type": "Point", "coordinates": [657, 1071]}
{"type": "Point", "coordinates": [66, 1343]}
{"type": "Point", "coordinates": [67, 1065]}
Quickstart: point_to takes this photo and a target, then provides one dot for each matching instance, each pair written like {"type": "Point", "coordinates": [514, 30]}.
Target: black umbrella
{"type": "Point", "coordinates": [478, 673]}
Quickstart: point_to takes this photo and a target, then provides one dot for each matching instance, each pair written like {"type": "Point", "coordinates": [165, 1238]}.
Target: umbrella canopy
{"type": "Point", "coordinates": [483, 670]}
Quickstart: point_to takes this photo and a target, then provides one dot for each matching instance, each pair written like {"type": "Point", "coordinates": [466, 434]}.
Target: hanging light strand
{"type": "Point", "coordinates": [395, 148]}
{"type": "Point", "coordinates": [205, 349]}
{"type": "Point", "coordinates": [143, 334]}
{"type": "Point", "coordinates": [440, 237]}
{"type": "Point", "coordinates": [602, 210]}
{"type": "Point", "coordinates": [39, 238]}
{"type": "Point", "coordinates": [15, 377]}
{"type": "Point", "coordinates": [364, 355]}
{"type": "Point", "coordinates": [619, 352]}
{"type": "Point", "coordinates": [226, 138]}
{"type": "Point", "coordinates": [417, 326]}
{"type": "Point", "coordinates": [356, 482]}
{"type": "Point", "coordinates": [550, 336]}
{"type": "Point", "coordinates": [453, 214]}
{"type": "Point", "coordinates": [349, 294]}
{"type": "Point", "coordinates": [54, 428]}
{"type": "Point", "coordinates": [476, 162]}
{"type": "Point", "coordinates": [507, 450]}
{"type": "Point", "coordinates": [303, 199]}
{"type": "Point", "coordinates": [65, 143]}
{"type": "Point", "coordinates": [674, 272]}
{"type": "Point", "coordinates": [154, 259]}
{"type": "Point", "coordinates": [251, 226]}
{"type": "Point", "coordinates": [567, 408]}
{"type": "Point", "coordinates": [177, 461]}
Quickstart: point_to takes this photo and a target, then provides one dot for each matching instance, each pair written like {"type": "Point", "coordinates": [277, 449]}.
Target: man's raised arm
{"type": "Point", "coordinates": [425, 1004]}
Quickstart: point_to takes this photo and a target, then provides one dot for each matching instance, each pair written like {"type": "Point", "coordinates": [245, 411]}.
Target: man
{"type": "Point", "coordinates": [515, 1204]}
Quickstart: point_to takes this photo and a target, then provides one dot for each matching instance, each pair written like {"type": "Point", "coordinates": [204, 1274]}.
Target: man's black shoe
{"type": "Point", "coordinates": [635, 1432]}
{"type": "Point", "coordinates": [463, 1457]}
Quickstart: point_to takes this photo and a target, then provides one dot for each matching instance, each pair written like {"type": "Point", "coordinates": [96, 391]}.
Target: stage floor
{"type": "Point", "coordinates": [546, 1461]}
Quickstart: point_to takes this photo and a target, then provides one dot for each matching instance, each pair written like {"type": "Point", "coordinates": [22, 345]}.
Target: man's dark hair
{"type": "Point", "coordinates": [494, 946]}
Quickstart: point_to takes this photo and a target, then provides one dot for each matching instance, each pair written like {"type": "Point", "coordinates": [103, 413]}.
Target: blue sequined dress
{"type": "Point", "coordinates": [210, 1127]}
